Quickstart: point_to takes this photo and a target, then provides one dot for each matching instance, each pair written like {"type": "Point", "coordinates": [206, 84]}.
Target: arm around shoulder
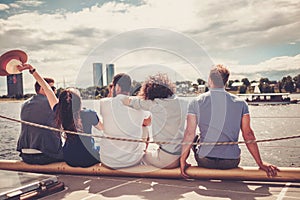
{"type": "Point", "coordinates": [99, 126]}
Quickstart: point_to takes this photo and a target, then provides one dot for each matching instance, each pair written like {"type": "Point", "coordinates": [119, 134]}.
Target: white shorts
{"type": "Point", "coordinates": [161, 159]}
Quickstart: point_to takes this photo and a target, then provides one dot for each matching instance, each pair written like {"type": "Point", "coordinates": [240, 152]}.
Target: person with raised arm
{"type": "Point", "coordinates": [38, 145]}
{"type": "Point", "coordinates": [78, 151]}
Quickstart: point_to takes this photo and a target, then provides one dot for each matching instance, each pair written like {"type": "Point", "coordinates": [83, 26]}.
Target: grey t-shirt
{"type": "Point", "coordinates": [219, 116]}
{"type": "Point", "coordinates": [168, 120]}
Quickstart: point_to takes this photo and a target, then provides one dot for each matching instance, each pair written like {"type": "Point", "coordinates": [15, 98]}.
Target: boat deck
{"type": "Point", "coordinates": [111, 186]}
{"type": "Point", "coordinates": [92, 187]}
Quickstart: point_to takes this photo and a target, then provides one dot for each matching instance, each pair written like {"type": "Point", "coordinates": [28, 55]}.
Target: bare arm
{"type": "Point", "coordinates": [99, 126]}
{"type": "Point", "coordinates": [138, 103]}
{"type": "Point", "coordinates": [147, 121]}
{"type": "Point", "coordinates": [188, 139]}
{"type": "Point", "coordinates": [52, 99]}
{"type": "Point", "coordinates": [126, 101]}
{"type": "Point", "coordinates": [248, 134]}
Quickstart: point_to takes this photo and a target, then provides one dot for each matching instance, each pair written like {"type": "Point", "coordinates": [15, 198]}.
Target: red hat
{"type": "Point", "coordinates": [9, 61]}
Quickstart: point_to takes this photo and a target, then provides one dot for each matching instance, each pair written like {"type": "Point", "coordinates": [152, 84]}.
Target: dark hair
{"type": "Point", "coordinates": [123, 80]}
{"type": "Point", "coordinates": [157, 86]}
{"type": "Point", "coordinates": [219, 75]}
{"type": "Point", "coordinates": [68, 111]}
{"type": "Point", "coordinates": [37, 86]}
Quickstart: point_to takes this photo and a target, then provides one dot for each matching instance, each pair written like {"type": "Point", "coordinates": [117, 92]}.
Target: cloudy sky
{"type": "Point", "coordinates": [182, 38]}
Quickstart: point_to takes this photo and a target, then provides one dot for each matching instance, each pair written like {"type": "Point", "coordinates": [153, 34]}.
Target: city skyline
{"type": "Point", "coordinates": [254, 39]}
{"type": "Point", "coordinates": [103, 78]}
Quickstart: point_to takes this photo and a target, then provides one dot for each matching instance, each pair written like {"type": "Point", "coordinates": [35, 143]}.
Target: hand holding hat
{"type": "Point", "coordinates": [10, 60]}
{"type": "Point", "coordinates": [23, 67]}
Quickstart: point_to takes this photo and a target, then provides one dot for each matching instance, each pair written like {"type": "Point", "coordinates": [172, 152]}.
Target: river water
{"type": "Point", "coordinates": [267, 122]}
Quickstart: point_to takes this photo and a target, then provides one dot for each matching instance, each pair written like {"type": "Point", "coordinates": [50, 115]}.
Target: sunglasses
{"type": "Point", "coordinates": [53, 88]}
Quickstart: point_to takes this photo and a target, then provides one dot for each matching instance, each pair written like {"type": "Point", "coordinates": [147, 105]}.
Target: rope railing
{"type": "Point", "coordinates": [142, 140]}
{"type": "Point", "coordinates": [278, 117]}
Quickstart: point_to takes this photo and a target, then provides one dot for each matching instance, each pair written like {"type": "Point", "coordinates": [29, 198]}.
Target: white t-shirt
{"type": "Point", "coordinates": [121, 121]}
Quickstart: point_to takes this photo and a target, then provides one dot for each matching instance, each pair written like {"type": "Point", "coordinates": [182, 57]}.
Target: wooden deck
{"type": "Point", "coordinates": [98, 182]}
{"type": "Point", "coordinates": [94, 188]}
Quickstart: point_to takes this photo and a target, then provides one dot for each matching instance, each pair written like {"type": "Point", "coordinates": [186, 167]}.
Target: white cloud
{"type": "Point", "coordinates": [13, 5]}
{"type": "Point", "coordinates": [59, 43]}
{"type": "Point", "coordinates": [146, 62]}
{"type": "Point", "coordinates": [281, 63]}
{"type": "Point", "coordinates": [279, 66]}
{"type": "Point", "coordinates": [219, 25]}
{"type": "Point", "coordinates": [235, 24]}
{"type": "Point", "coordinates": [3, 7]}
{"type": "Point", "coordinates": [32, 3]}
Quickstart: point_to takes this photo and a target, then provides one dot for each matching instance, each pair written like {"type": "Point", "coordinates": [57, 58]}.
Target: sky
{"type": "Point", "coordinates": [62, 38]}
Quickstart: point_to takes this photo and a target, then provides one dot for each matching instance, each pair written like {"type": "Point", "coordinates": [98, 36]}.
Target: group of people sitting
{"type": "Point", "coordinates": [172, 123]}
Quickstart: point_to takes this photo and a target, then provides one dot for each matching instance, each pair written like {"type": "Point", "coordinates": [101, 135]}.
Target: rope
{"type": "Point", "coordinates": [285, 117]}
{"type": "Point", "coordinates": [141, 140]}
{"type": "Point", "coordinates": [279, 146]}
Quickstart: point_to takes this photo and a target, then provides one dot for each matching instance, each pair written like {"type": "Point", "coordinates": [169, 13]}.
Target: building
{"type": "Point", "coordinates": [97, 74]}
{"type": "Point", "coordinates": [110, 72]}
{"type": "Point", "coordinates": [15, 85]}
{"type": "Point", "coordinates": [256, 89]}
{"type": "Point", "coordinates": [201, 88]}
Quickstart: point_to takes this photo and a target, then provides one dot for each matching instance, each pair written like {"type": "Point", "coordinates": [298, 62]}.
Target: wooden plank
{"type": "Point", "coordinates": [286, 174]}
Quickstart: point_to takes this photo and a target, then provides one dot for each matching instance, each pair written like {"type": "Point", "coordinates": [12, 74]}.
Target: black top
{"type": "Point", "coordinates": [80, 151]}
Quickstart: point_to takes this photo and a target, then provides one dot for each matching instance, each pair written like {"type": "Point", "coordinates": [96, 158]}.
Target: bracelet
{"type": "Point", "coordinates": [31, 71]}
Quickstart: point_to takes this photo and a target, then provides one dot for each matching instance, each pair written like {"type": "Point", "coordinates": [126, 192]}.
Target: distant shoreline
{"type": "Point", "coordinates": [11, 100]}
{"type": "Point", "coordinates": [294, 95]}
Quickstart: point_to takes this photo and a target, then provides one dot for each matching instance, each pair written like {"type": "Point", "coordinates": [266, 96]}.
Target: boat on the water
{"type": "Point", "coordinates": [267, 98]}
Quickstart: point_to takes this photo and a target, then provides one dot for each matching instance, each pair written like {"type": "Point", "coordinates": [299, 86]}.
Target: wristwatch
{"type": "Point", "coordinates": [31, 71]}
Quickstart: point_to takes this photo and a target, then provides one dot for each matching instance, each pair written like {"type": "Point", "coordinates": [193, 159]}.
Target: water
{"type": "Point", "coordinates": [267, 122]}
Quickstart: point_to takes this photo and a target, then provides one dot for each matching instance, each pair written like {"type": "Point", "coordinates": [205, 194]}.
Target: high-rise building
{"type": "Point", "coordinates": [97, 74]}
{"type": "Point", "coordinates": [110, 72]}
{"type": "Point", "coordinates": [15, 85]}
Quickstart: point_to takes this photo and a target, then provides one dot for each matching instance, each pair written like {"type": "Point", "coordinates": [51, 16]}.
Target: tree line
{"type": "Point", "coordinates": [286, 84]}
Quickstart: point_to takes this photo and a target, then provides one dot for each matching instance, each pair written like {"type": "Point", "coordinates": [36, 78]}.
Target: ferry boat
{"type": "Point", "coordinates": [267, 98]}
